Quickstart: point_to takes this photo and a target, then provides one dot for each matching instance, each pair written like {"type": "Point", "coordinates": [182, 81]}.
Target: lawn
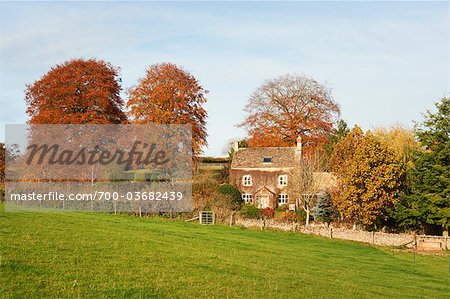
{"type": "Point", "coordinates": [104, 255]}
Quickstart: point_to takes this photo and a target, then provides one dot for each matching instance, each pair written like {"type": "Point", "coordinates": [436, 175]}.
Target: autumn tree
{"type": "Point", "coordinates": [76, 92]}
{"type": "Point", "coordinates": [401, 140]}
{"type": "Point", "coordinates": [170, 95]}
{"type": "Point", "coordinates": [427, 202]}
{"type": "Point", "coordinates": [287, 107]}
{"type": "Point", "coordinates": [370, 178]}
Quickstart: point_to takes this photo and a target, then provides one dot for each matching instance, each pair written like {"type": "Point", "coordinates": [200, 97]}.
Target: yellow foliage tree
{"type": "Point", "coordinates": [371, 176]}
{"type": "Point", "coordinates": [401, 140]}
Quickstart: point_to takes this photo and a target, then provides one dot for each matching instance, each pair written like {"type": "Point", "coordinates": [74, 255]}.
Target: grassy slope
{"type": "Point", "coordinates": [101, 255]}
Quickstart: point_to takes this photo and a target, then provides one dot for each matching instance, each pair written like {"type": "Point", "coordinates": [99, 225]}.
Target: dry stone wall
{"type": "Point", "coordinates": [376, 238]}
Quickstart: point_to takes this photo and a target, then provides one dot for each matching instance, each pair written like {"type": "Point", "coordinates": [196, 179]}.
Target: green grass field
{"type": "Point", "coordinates": [103, 255]}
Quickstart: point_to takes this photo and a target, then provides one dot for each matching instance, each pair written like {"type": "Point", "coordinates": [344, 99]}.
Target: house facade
{"type": "Point", "coordinates": [263, 174]}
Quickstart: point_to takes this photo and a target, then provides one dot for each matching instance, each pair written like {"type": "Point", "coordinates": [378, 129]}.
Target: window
{"type": "Point", "coordinates": [247, 198]}
{"type": "Point", "coordinates": [282, 180]}
{"type": "Point", "coordinates": [267, 160]}
{"type": "Point", "coordinates": [247, 180]}
{"type": "Point", "coordinates": [282, 199]}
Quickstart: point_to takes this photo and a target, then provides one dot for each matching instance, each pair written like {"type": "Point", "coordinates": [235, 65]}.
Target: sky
{"type": "Point", "coordinates": [386, 62]}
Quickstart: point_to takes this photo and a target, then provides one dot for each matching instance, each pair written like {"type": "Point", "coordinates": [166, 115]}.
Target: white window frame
{"type": "Point", "coordinates": [247, 197]}
{"type": "Point", "coordinates": [282, 180]}
{"type": "Point", "coordinates": [283, 199]}
{"type": "Point", "coordinates": [247, 180]}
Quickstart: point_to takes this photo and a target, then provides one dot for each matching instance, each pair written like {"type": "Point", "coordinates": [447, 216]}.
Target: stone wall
{"type": "Point", "coordinates": [376, 238]}
{"type": "Point", "coordinates": [433, 243]}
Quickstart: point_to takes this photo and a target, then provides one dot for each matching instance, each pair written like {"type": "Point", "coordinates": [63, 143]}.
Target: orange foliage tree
{"type": "Point", "coordinates": [371, 176]}
{"type": "Point", "coordinates": [76, 92]}
{"type": "Point", "coordinates": [170, 95]}
{"type": "Point", "coordinates": [287, 107]}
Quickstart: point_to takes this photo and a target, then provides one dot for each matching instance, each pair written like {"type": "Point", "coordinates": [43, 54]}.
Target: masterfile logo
{"type": "Point", "coordinates": [99, 167]}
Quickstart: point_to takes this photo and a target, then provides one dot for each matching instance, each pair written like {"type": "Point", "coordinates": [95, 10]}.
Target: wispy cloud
{"type": "Point", "coordinates": [386, 62]}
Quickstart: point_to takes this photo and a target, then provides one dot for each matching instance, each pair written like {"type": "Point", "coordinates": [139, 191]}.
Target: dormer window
{"type": "Point", "coordinates": [247, 180]}
{"type": "Point", "coordinates": [267, 160]}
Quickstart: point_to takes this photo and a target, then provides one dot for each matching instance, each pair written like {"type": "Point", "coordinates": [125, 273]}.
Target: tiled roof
{"type": "Point", "coordinates": [282, 157]}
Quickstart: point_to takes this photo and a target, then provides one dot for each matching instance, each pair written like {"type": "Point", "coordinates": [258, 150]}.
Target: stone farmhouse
{"type": "Point", "coordinates": [263, 174]}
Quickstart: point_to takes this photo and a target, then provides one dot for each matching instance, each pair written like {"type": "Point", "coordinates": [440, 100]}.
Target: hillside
{"type": "Point", "coordinates": [102, 255]}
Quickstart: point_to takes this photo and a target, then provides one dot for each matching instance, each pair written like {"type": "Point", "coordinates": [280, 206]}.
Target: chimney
{"type": "Point", "coordinates": [298, 150]}
{"type": "Point", "coordinates": [235, 146]}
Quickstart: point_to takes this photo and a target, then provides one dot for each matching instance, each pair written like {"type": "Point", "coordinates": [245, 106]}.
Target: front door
{"type": "Point", "coordinates": [264, 201]}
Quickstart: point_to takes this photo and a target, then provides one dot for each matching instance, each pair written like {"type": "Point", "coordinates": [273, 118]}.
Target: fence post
{"type": "Point", "coordinates": [373, 238]}
{"type": "Point", "coordinates": [232, 220]}
{"type": "Point", "coordinates": [415, 240]}
{"type": "Point", "coordinates": [331, 233]}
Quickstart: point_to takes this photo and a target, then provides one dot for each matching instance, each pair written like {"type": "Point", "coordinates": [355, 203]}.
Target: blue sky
{"type": "Point", "coordinates": [386, 62]}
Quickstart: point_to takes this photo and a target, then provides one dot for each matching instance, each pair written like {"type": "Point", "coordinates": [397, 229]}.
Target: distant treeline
{"type": "Point", "coordinates": [223, 160]}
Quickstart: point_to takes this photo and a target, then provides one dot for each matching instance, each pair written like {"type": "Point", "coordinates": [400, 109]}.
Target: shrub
{"type": "Point", "coordinates": [231, 191]}
{"type": "Point", "coordinates": [291, 216]}
{"type": "Point", "coordinates": [222, 205]}
{"type": "Point", "coordinates": [225, 173]}
{"type": "Point", "coordinates": [204, 189]}
{"type": "Point", "coordinates": [141, 176]}
{"type": "Point", "coordinates": [206, 196]}
{"type": "Point", "coordinates": [268, 213]}
{"type": "Point", "coordinates": [250, 211]}
{"type": "Point", "coordinates": [115, 172]}
{"type": "Point", "coordinates": [149, 175]}
{"type": "Point", "coordinates": [282, 208]}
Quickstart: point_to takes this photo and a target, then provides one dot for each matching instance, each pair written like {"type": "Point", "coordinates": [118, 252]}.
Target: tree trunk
{"type": "Point", "coordinates": [307, 217]}
{"type": "Point", "coordinates": [92, 176]}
